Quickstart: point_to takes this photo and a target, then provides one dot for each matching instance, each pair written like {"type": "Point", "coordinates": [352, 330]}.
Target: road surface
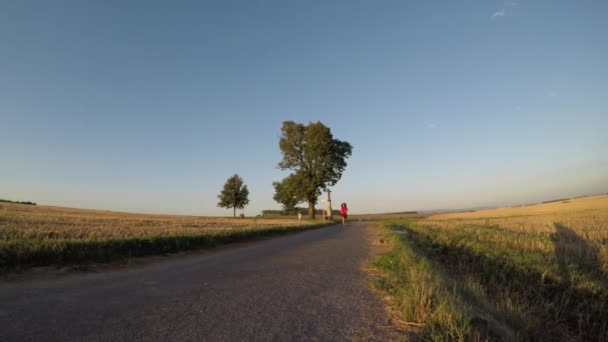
{"type": "Point", "coordinates": [307, 286]}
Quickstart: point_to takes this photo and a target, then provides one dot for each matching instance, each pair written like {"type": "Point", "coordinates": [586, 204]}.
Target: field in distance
{"type": "Point", "coordinates": [536, 272]}
{"type": "Point", "coordinates": [375, 217]}
{"type": "Point", "coordinates": [43, 235]}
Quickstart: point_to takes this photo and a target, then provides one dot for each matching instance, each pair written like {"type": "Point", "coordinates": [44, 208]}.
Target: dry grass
{"type": "Point", "coordinates": [580, 224]}
{"type": "Point", "coordinates": [43, 235]}
{"type": "Point", "coordinates": [576, 205]}
{"type": "Point", "coordinates": [542, 270]}
{"type": "Point", "coordinates": [587, 216]}
{"type": "Point", "coordinates": [36, 222]}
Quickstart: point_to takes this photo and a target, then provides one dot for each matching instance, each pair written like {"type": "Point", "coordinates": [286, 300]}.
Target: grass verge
{"type": "Point", "coordinates": [420, 291]}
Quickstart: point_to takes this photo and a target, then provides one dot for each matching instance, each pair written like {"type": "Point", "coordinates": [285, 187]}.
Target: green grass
{"type": "Point", "coordinates": [420, 290]}
{"type": "Point", "coordinates": [20, 253]}
{"type": "Point", "coordinates": [555, 291]}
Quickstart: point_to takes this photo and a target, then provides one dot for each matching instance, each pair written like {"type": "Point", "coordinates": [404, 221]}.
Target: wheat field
{"type": "Point", "coordinates": [540, 270]}
{"type": "Point", "coordinates": [586, 215]}
{"type": "Point", "coordinates": [32, 235]}
{"type": "Point", "coordinates": [581, 224]}
{"type": "Point", "coordinates": [47, 222]}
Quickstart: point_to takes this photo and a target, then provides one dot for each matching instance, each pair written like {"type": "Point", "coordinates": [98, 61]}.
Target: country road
{"type": "Point", "coordinates": [305, 286]}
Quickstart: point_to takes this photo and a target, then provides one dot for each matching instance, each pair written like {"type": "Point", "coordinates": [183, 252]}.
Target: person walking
{"type": "Point", "coordinates": [344, 211]}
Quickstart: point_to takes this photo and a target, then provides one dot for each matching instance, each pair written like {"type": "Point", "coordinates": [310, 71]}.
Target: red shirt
{"type": "Point", "coordinates": [344, 210]}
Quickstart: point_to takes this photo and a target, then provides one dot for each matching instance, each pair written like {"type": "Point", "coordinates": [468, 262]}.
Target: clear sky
{"type": "Point", "coordinates": [151, 105]}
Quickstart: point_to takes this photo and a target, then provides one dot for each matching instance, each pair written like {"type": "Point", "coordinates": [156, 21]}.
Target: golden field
{"type": "Point", "coordinates": [46, 222]}
{"type": "Point", "coordinates": [586, 214]}
{"type": "Point", "coordinates": [574, 226]}
{"type": "Point", "coordinates": [537, 272]}
{"type": "Point", "coordinates": [599, 202]}
{"type": "Point", "coordinates": [43, 235]}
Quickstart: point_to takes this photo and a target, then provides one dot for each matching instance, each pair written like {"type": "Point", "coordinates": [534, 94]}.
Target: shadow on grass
{"type": "Point", "coordinates": [574, 251]}
{"type": "Point", "coordinates": [548, 308]}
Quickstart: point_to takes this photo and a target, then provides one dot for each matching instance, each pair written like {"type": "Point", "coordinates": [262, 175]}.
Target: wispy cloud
{"type": "Point", "coordinates": [504, 10]}
{"type": "Point", "coordinates": [431, 125]}
{"type": "Point", "coordinates": [500, 13]}
{"type": "Point", "coordinates": [552, 94]}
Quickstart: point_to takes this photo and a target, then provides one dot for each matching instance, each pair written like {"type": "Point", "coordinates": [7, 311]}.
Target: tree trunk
{"type": "Point", "coordinates": [311, 209]}
{"type": "Point", "coordinates": [233, 211]}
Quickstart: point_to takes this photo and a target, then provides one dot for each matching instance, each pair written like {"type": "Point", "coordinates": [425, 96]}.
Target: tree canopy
{"type": "Point", "coordinates": [289, 192]}
{"type": "Point", "coordinates": [234, 195]}
{"type": "Point", "coordinates": [316, 159]}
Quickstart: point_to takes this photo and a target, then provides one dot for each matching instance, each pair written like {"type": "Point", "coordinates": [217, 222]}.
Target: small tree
{"type": "Point", "coordinates": [235, 194]}
{"type": "Point", "coordinates": [289, 192]}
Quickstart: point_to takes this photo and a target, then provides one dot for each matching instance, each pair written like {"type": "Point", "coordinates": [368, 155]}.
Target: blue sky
{"type": "Point", "coordinates": [151, 105]}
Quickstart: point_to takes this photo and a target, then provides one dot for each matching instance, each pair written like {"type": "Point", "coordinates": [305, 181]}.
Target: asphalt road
{"type": "Point", "coordinates": [306, 286]}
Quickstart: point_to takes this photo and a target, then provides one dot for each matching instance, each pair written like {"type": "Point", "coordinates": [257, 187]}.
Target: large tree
{"type": "Point", "coordinates": [315, 158]}
{"type": "Point", "coordinates": [234, 195]}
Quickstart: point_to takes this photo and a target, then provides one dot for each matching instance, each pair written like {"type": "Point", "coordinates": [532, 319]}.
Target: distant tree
{"type": "Point", "coordinates": [316, 159]}
{"type": "Point", "coordinates": [234, 195]}
{"type": "Point", "coordinates": [18, 202]}
{"type": "Point", "coordinates": [294, 211]}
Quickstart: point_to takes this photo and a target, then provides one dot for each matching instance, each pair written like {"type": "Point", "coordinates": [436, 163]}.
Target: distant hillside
{"type": "Point", "coordinates": [482, 208]}
{"type": "Point", "coordinates": [462, 210]}
{"type": "Point", "coordinates": [599, 202]}
{"type": "Point", "coordinates": [400, 215]}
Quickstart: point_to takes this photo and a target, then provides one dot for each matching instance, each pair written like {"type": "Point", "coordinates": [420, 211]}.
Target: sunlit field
{"type": "Point", "coordinates": [24, 221]}
{"type": "Point", "coordinates": [41, 235]}
{"type": "Point", "coordinates": [578, 228]}
{"type": "Point", "coordinates": [532, 272]}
